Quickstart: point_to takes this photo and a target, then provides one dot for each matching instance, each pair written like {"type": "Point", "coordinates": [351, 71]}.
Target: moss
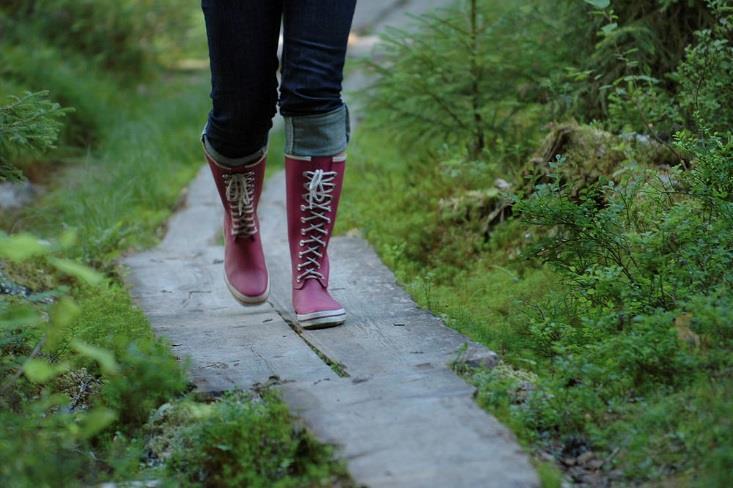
{"type": "Point", "coordinates": [549, 474]}
{"type": "Point", "coordinates": [587, 153]}
{"type": "Point", "coordinates": [240, 441]}
{"type": "Point", "coordinates": [29, 275]}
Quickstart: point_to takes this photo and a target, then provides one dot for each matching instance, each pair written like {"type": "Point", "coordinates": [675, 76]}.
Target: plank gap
{"type": "Point", "coordinates": [336, 367]}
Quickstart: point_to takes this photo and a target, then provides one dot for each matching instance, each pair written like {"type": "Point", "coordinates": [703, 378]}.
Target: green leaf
{"type": "Point", "coordinates": [608, 28]}
{"type": "Point", "coordinates": [68, 238]}
{"type": "Point", "coordinates": [19, 316]}
{"type": "Point", "coordinates": [599, 4]}
{"type": "Point", "coordinates": [39, 371]}
{"type": "Point", "coordinates": [20, 247]}
{"type": "Point", "coordinates": [64, 311]}
{"type": "Point", "coordinates": [103, 357]}
{"type": "Point", "coordinates": [79, 271]}
{"type": "Point", "coordinates": [96, 421]}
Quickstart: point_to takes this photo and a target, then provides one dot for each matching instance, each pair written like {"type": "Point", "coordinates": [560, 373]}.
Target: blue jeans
{"type": "Point", "coordinates": [243, 39]}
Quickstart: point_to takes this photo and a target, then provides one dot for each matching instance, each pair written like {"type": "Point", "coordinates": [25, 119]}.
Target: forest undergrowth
{"type": "Point", "coordinates": [558, 185]}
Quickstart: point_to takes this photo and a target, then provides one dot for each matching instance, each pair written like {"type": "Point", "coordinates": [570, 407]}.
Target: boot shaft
{"type": "Point", "coordinates": [313, 190]}
{"type": "Point", "coordinates": [239, 189]}
{"type": "Point", "coordinates": [245, 269]}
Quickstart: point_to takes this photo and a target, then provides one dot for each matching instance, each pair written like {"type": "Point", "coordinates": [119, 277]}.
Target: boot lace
{"type": "Point", "coordinates": [320, 185]}
{"type": "Point", "coordinates": [240, 191]}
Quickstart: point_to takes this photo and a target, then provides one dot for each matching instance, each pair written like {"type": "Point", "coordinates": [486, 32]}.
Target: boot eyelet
{"type": "Point", "coordinates": [302, 220]}
{"type": "Point", "coordinates": [300, 242]}
{"type": "Point", "coordinates": [302, 232]}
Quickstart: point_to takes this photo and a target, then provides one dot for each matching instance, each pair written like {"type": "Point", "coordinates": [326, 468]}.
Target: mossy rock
{"type": "Point", "coordinates": [584, 155]}
{"type": "Point", "coordinates": [488, 208]}
{"type": "Point", "coordinates": [587, 153]}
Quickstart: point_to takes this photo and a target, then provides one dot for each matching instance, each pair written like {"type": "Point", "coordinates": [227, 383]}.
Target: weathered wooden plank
{"type": "Point", "coordinates": [180, 286]}
{"type": "Point", "coordinates": [385, 331]}
{"type": "Point", "coordinates": [197, 224]}
{"type": "Point", "coordinates": [412, 430]}
{"type": "Point", "coordinates": [402, 419]}
{"type": "Point", "coordinates": [239, 351]}
{"type": "Point", "coordinates": [165, 283]}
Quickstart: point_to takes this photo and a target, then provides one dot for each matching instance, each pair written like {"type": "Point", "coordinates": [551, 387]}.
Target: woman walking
{"type": "Point", "coordinates": [243, 42]}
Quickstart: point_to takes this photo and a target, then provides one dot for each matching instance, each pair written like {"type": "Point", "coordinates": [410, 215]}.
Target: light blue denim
{"type": "Point", "coordinates": [227, 161]}
{"type": "Point", "coordinates": [318, 134]}
{"type": "Point", "coordinates": [305, 135]}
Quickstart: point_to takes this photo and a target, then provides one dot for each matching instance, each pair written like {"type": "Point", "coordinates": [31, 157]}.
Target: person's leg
{"type": "Point", "coordinates": [243, 36]}
{"type": "Point", "coordinates": [316, 34]}
{"type": "Point", "coordinates": [317, 132]}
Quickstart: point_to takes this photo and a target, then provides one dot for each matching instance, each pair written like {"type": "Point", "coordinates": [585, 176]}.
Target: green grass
{"type": "Point", "coordinates": [124, 190]}
{"type": "Point", "coordinates": [275, 155]}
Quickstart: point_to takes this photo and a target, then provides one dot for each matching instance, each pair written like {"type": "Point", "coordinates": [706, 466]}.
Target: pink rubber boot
{"type": "Point", "coordinates": [245, 271]}
{"type": "Point", "coordinates": [313, 188]}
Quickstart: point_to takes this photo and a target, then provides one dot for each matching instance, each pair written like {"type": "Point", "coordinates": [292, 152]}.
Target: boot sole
{"type": "Point", "coordinates": [245, 299]}
{"type": "Point", "coordinates": [321, 320]}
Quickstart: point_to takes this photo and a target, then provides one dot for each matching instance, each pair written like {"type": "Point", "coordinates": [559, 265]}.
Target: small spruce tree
{"type": "Point", "coordinates": [29, 127]}
{"type": "Point", "coordinates": [463, 75]}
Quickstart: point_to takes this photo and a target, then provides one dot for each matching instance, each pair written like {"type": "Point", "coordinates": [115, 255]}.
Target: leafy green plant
{"type": "Point", "coordinates": [31, 367]}
{"type": "Point", "coordinates": [29, 127]}
{"type": "Point", "coordinates": [706, 74]}
{"type": "Point", "coordinates": [620, 42]}
{"type": "Point", "coordinates": [694, 95]}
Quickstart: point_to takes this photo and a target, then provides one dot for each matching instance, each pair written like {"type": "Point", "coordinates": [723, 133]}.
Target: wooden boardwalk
{"type": "Point", "coordinates": [379, 387]}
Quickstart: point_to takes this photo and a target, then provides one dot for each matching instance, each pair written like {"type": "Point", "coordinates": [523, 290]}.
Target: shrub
{"type": "Point", "coordinates": [621, 41]}
{"type": "Point", "coordinates": [126, 36]}
{"type": "Point", "coordinates": [29, 127]}
{"type": "Point", "coordinates": [65, 387]}
{"type": "Point", "coordinates": [705, 77]}
{"type": "Point", "coordinates": [693, 95]}
{"type": "Point", "coordinates": [648, 254]}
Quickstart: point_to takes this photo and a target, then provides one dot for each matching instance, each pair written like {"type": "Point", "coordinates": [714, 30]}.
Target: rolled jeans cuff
{"type": "Point", "coordinates": [227, 161]}
{"type": "Point", "coordinates": [318, 134]}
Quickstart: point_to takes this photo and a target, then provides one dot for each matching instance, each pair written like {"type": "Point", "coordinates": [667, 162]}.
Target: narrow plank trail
{"type": "Point", "coordinates": [379, 387]}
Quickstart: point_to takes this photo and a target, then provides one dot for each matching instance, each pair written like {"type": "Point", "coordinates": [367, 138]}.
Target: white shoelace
{"type": "Point", "coordinates": [320, 186]}
{"type": "Point", "coordinates": [240, 191]}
